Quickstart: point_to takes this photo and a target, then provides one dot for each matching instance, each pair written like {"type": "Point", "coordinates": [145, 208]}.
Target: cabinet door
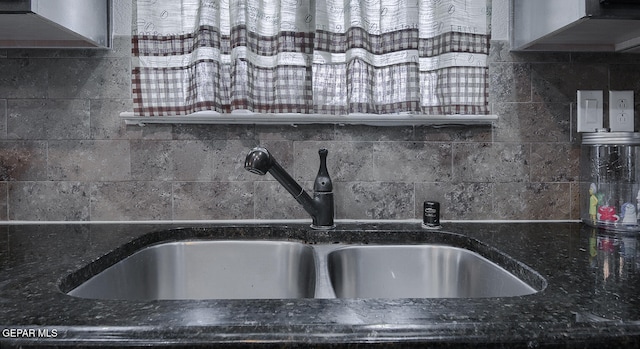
{"type": "Point", "coordinates": [55, 23]}
{"type": "Point", "coordinates": [575, 25]}
{"type": "Point", "coordinates": [534, 20]}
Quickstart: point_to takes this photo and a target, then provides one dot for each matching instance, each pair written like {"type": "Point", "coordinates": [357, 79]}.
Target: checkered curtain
{"type": "Point", "coordinates": [310, 56]}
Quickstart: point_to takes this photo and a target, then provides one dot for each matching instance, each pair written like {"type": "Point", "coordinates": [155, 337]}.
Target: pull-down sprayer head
{"type": "Point", "coordinates": [258, 161]}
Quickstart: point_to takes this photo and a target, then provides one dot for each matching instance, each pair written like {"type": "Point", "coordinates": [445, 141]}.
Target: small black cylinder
{"type": "Point", "coordinates": [431, 215]}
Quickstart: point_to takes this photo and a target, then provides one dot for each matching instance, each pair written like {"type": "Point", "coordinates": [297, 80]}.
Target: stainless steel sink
{"type": "Point", "coordinates": [208, 270]}
{"type": "Point", "coordinates": [419, 271]}
{"type": "Point", "coordinates": [253, 269]}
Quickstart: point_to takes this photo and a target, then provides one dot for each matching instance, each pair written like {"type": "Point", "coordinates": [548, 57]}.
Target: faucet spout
{"type": "Point", "coordinates": [320, 207]}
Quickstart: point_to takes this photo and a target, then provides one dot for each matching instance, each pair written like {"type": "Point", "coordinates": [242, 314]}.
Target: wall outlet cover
{"type": "Point", "coordinates": [621, 111]}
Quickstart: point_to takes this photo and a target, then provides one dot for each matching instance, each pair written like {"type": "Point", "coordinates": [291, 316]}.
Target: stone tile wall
{"type": "Point", "coordinates": [66, 155]}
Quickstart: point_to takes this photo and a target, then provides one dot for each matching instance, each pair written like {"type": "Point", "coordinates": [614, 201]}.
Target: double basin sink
{"type": "Point", "coordinates": [272, 269]}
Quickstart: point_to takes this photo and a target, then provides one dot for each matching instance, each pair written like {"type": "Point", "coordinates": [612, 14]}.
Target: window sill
{"type": "Point", "coordinates": [302, 119]}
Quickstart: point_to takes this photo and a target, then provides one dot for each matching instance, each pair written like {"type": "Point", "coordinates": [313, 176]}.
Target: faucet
{"type": "Point", "coordinates": [320, 207]}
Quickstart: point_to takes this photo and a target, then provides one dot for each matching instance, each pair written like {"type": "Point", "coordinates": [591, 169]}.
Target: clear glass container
{"type": "Point", "coordinates": [609, 183]}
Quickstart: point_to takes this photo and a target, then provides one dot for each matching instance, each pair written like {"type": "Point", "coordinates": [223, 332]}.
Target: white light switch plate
{"type": "Point", "coordinates": [590, 115]}
{"type": "Point", "coordinates": [621, 115]}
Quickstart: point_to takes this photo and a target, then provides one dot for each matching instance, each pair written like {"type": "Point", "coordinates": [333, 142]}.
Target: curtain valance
{"type": "Point", "coordinates": [311, 56]}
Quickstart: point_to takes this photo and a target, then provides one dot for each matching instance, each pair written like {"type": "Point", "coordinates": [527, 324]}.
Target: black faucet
{"type": "Point", "coordinates": [320, 207]}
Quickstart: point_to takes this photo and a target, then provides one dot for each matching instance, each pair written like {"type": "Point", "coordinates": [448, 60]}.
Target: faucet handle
{"type": "Point", "coordinates": [323, 181]}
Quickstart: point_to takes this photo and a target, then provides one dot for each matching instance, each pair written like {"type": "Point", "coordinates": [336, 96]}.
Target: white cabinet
{"type": "Point", "coordinates": [55, 23]}
{"type": "Point", "coordinates": [575, 25]}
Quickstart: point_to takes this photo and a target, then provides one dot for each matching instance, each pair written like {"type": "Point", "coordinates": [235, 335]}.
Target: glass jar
{"type": "Point", "coordinates": [609, 183]}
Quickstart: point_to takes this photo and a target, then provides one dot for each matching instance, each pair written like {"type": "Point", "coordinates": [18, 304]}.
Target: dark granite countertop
{"type": "Point", "coordinates": [591, 297]}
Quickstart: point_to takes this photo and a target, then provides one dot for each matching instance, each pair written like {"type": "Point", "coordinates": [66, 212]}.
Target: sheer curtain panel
{"type": "Point", "coordinates": [335, 57]}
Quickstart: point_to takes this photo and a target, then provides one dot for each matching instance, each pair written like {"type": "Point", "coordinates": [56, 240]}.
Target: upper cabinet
{"type": "Point", "coordinates": [55, 23]}
{"type": "Point", "coordinates": [575, 25]}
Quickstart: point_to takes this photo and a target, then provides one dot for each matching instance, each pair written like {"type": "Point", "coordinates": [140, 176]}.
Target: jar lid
{"type": "Point", "coordinates": [611, 138]}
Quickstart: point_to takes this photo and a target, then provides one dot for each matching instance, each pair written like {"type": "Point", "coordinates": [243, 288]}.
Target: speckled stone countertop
{"type": "Point", "coordinates": [590, 296]}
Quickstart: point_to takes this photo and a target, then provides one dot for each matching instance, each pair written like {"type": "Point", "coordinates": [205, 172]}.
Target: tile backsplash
{"type": "Point", "coordinates": [66, 155]}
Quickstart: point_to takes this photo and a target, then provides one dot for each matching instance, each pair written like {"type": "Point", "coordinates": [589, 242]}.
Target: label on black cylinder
{"type": "Point", "coordinates": [431, 214]}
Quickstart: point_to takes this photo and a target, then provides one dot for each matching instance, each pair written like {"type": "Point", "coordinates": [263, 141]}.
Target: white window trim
{"type": "Point", "coordinates": [209, 117]}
